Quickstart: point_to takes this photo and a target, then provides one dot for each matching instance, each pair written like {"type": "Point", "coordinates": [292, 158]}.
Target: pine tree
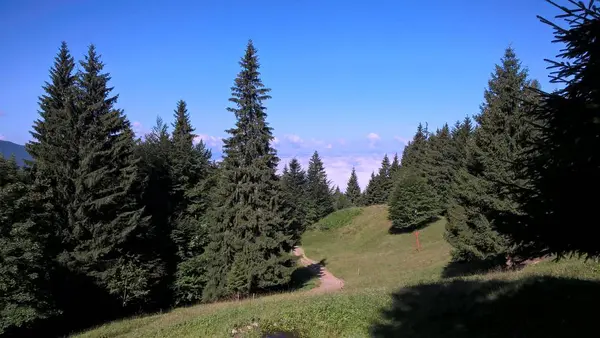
{"type": "Point", "coordinates": [25, 265]}
{"type": "Point", "coordinates": [412, 156]}
{"type": "Point", "coordinates": [318, 196]}
{"type": "Point", "coordinates": [157, 197]}
{"type": "Point", "coordinates": [249, 246]}
{"type": "Point", "coordinates": [340, 201]}
{"type": "Point", "coordinates": [461, 134]}
{"type": "Point", "coordinates": [394, 168]}
{"type": "Point", "coordinates": [371, 191]}
{"type": "Point", "coordinates": [413, 203]}
{"type": "Point", "coordinates": [385, 184]}
{"type": "Point", "coordinates": [353, 189]}
{"type": "Point", "coordinates": [55, 155]}
{"type": "Point", "coordinates": [562, 161]}
{"type": "Point", "coordinates": [496, 143]}
{"type": "Point", "coordinates": [438, 164]}
{"type": "Point", "coordinates": [294, 186]}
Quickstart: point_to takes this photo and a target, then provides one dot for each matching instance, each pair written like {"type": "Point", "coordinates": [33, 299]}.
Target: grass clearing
{"type": "Point", "coordinates": [392, 290]}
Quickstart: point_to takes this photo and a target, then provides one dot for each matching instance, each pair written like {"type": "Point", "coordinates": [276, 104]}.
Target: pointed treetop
{"type": "Point", "coordinates": [183, 132]}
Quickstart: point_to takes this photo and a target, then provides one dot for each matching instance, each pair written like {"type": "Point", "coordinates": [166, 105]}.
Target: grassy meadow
{"type": "Point", "coordinates": [393, 290]}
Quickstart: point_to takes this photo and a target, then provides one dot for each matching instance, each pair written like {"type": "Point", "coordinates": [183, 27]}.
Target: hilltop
{"type": "Point", "coordinates": [381, 272]}
{"type": "Point", "coordinates": [7, 149]}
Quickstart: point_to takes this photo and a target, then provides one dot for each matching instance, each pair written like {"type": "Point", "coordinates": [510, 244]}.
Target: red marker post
{"type": "Point", "coordinates": [418, 243]}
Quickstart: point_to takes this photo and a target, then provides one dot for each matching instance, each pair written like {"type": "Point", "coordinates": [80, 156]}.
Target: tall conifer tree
{"type": "Point", "coordinates": [294, 186]}
{"type": "Point", "coordinates": [497, 142]}
{"type": "Point", "coordinates": [353, 189]}
{"type": "Point", "coordinates": [562, 162]}
{"type": "Point", "coordinates": [320, 203]}
{"type": "Point", "coordinates": [249, 247]}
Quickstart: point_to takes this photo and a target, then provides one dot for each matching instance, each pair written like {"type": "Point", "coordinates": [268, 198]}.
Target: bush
{"type": "Point", "coordinates": [413, 203]}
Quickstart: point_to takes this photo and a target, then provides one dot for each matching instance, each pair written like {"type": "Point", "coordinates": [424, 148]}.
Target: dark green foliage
{"type": "Point", "coordinates": [461, 134]}
{"type": "Point", "coordinates": [24, 264]}
{"type": "Point", "coordinates": [385, 181]}
{"type": "Point", "coordinates": [559, 174]}
{"type": "Point", "coordinates": [380, 186]}
{"type": "Point", "coordinates": [370, 191]}
{"type": "Point", "coordinates": [157, 197]}
{"type": "Point", "coordinates": [192, 179]}
{"type": "Point", "coordinates": [480, 188]}
{"type": "Point", "coordinates": [107, 228]}
{"type": "Point", "coordinates": [394, 168]}
{"type": "Point", "coordinates": [414, 152]}
{"type": "Point", "coordinates": [318, 196]}
{"type": "Point", "coordinates": [294, 185]}
{"type": "Point", "coordinates": [438, 164]}
{"type": "Point", "coordinates": [340, 201]}
{"type": "Point", "coordinates": [413, 202]}
{"type": "Point", "coordinates": [249, 249]}
{"type": "Point", "coordinates": [353, 189]}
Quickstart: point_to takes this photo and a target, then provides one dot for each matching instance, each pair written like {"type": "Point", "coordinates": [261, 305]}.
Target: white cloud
{"type": "Point", "coordinates": [138, 128]}
{"type": "Point", "coordinates": [373, 139]}
{"type": "Point", "coordinates": [2, 138]}
{"type": "Point", "coordinates": [211, 141]}
{"type": "Point", "coordinates": [295, 139]}
{"type": "Point", "coordinates": [275, 141]}
{"type": "Point", "coordinates": [329, 146]}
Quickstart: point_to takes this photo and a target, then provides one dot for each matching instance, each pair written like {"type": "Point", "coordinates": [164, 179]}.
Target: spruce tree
{"type": "Point", "coordinates": [438, 164]}
{"type": "Point", "coordinates": [496, 143]}
{"type": "Point", "coordinates": [370, 192]}
{"type": "Point", "coordinates": [394, 168]}
{"type": "Point", "coordinates": [53, 147]}
{"type": "Point", "coordinates": [385, 181]}
{"type": "Point", "coordinates": [318, 196]}
{"type": "Point", "coordinates": [25, 266]}
{"type": "Point", "coordinates": [353, 189]}
{"type": "Point", "coordinates": [249, 248]}
{"type": "Point", "coordinates": [562, 162]}
{"type": "Point", "coordinates": [294, 186]}
{"type": "Point", "coordinates": [414, 152]}
{"type": "Point", "coordinates": [340, 201]}
{"type": "Point", "coordinates": [157, 197]}
{"type": "Point", "coordinates": [109, 230]}
{"type": "Point", "coordinates": [413, 202]}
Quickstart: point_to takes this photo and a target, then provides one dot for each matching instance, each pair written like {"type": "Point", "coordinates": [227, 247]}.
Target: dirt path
{"type": "Point", "coordinates": [328, 282]}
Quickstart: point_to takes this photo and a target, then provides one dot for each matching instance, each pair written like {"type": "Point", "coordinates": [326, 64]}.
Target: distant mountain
{"type": "Point", "coordinates": [7, 149]}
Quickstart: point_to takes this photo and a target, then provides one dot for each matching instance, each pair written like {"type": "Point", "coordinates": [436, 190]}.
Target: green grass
{"type": "Point", "coordinates": [392, 290]}
{"type": "Point", "coordinates": [337, 219]}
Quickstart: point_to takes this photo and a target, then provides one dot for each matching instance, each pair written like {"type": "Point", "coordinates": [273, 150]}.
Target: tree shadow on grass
{"type": "Point", "coordinates": [457, 269]}
{"type": "Point", "coordinates": [532, 307]}
{"type": "Point", "coordinates": [405, 230]}
{"type": "Point", "coordinates": [302, 276]}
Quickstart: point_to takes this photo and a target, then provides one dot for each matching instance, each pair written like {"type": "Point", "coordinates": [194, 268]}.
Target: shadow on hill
{"type": "Point", "coordinates": [405, 230]}
{"type": "Point", "coordinates": [532, 307]}
{"type": "Point", "coordinates": [457, 269]}
{"type": "Point", "coordinates": [303, 275]}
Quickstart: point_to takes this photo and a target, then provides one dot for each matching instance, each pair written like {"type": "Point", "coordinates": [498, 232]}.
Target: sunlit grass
{"type": "Point", "coordinates": [373, 263]}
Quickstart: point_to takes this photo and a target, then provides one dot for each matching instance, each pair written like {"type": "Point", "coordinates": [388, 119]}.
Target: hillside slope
{"type": "Point", "coordinates": [392, 290]}
{"type": "Point", "coordinates": [365, 255]}
{"type": "Point", "coordinates": [7, 149]}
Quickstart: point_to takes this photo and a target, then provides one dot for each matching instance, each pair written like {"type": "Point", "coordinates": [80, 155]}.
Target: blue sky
{"type": "Point", "coordinates": [351, 79]}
